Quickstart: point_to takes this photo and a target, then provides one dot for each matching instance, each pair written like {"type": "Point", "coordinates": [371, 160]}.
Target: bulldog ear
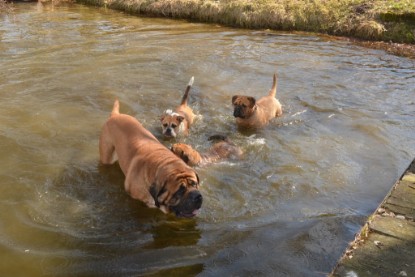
{"type": "Point", "coordinates": [158, 196]}
{"type": "Point", "coordinates": [252, 101]}
{"type": "Point", "coordinates": [180, 118]}
{"type": "Point", "coordinates": [162, 117]}
{"type": "Point", "coordinates": [162, 196]}
{"type": "Point", "coordinates": [153, 191]}
{"type": "Point", "coordinates": [234, 98]}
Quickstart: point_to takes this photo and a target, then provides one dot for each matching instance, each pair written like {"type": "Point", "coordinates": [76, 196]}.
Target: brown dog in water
{"type": "Point", "coordinates": [179, 121]}
{"type": "Point", "coordinates": [250, 113]}
{"type": "Point", "coordinates": [153, 174]}
{"type": "Point", "coordinates": [219, 151]}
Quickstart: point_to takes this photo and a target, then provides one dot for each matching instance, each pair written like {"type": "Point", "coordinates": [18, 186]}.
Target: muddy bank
{"type": "Point", "coordinates": [399, 49]}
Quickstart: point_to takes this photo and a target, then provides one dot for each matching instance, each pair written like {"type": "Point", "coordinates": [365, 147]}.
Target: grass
{"type": "Point", "coordinates": [385, 20]}
{"type": "Point", "coordinates": [5, 7]}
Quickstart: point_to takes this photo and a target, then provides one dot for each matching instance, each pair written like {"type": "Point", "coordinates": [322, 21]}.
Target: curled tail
{"type": "Point", "coordinates": [116, 108]}
{"type": "Point", "coordinates": [186, 93]}
{"type": "Point", "coordinates": [273, 91]}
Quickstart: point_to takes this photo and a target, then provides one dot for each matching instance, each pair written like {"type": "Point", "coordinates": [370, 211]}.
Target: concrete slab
{"type": "Point", "coordinates": [385, 245]}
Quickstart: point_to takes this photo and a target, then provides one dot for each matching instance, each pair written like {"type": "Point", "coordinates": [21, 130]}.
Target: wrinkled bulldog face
{"type": "Point", "coordinates": [179, 195]}
{"type": "Point", "coordinates": [243, 106]}
{"type": "Point", "coordinates": [186, 153]}
{"type": "Point", "coordinates": [171, 123]}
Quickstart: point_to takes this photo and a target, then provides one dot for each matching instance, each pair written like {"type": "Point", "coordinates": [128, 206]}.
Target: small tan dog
{"type": "Point", "coordinates": [250, 113]}
{"type": "Point", "coordinates": [153, 174]}
{"type": "Point", "coordinates": [220, 150]}
{"type": "Point", "coordinates": [178, 121]}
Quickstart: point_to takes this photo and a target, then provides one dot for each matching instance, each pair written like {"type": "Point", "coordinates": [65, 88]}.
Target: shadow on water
{"type": "Point", "coordinates": [116, 233]}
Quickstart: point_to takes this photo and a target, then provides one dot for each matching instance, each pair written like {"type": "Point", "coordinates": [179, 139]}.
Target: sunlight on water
{"type": "Point", "coordinates": [303, 188]}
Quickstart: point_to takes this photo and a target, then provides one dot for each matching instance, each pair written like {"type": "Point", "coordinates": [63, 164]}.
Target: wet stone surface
{"type": "Point", "coordinates": [385, 245]}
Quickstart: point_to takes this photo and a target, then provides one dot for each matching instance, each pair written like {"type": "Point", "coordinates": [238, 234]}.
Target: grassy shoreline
{"type": "Point", "coordinates": [381, 24]}
{"type": "Point", "coordinates": [375, 20]}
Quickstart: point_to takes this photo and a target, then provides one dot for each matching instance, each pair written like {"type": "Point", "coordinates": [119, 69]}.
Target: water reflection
{"type": "Point", "coordinates": [103, 228]}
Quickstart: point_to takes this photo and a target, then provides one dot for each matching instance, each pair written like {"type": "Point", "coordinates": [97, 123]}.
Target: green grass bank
{"type": "Point", "coordinates": [375, 20]}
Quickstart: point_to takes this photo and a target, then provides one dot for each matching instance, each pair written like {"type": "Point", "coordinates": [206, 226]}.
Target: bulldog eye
{"type": "Point", "coordinates": [177, 196]}
{"type": "Point", "coordinates": [173, 125]}
{"type": "Point", "coordinates": [165, 125]}
{"type": "Point", "coordinates": [180, 192]}
{"type": "Point", "coordinates": [193, 183]}
{"type": "Point", "coordinates": [185, 158]}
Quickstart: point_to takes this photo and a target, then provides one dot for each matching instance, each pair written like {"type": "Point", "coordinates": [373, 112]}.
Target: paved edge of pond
{"type": "Point", "coordinates": [385, 246]}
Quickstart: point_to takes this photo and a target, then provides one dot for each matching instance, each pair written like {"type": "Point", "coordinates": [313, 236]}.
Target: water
{"type": "Point", "coordinates": [305, 187]}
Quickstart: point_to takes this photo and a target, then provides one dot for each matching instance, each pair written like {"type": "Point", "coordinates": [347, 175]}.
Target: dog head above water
{"type": "Point", "coordinates": [171, 123]}
{"type": "Point", "coordinates": [179, 194]}
{"type": "Point", "coordinates": [244, 106]}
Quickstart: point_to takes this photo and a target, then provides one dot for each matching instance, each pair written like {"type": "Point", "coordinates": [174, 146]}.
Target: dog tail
{"type": "Point", "coordinates": [186, 93]}
{"type": "Point", "coordinates": [273, 90]}
{"type": "Point", "coordinates": [116, 108]}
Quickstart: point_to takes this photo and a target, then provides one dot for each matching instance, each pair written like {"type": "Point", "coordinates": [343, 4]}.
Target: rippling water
{"type": "Point", "coordinates": [304, 188]}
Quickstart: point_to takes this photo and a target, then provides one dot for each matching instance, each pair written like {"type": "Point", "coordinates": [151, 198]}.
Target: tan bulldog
{"type": "Point", "coordinates": [178, 121]}
{"type": "Point", "coordinates": [250, 113]}
{"type": "Point", "coordinates": [153, 174]}
{"type": "Point", "coordinates": [222, 149]}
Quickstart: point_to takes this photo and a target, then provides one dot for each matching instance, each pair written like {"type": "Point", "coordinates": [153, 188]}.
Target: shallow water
{"type": "Point", "coordinates": [304, 188]}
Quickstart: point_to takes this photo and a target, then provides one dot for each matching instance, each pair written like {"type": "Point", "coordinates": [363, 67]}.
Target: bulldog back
{"type": "Point", "coordinates": [153, 174]}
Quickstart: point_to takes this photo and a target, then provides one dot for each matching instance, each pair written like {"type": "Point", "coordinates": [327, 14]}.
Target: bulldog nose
{"type": "Point", "coordinates": [237, 111]}
{"type": "Point", "coordinates": [196, 197]}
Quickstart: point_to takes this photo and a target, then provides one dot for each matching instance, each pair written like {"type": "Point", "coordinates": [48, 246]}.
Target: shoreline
{"type": "Point", "coordinates": [376, 25]}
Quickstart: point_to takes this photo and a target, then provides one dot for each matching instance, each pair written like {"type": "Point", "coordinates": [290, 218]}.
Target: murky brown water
{"type": "Point", "coordinates": [306, 185]}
